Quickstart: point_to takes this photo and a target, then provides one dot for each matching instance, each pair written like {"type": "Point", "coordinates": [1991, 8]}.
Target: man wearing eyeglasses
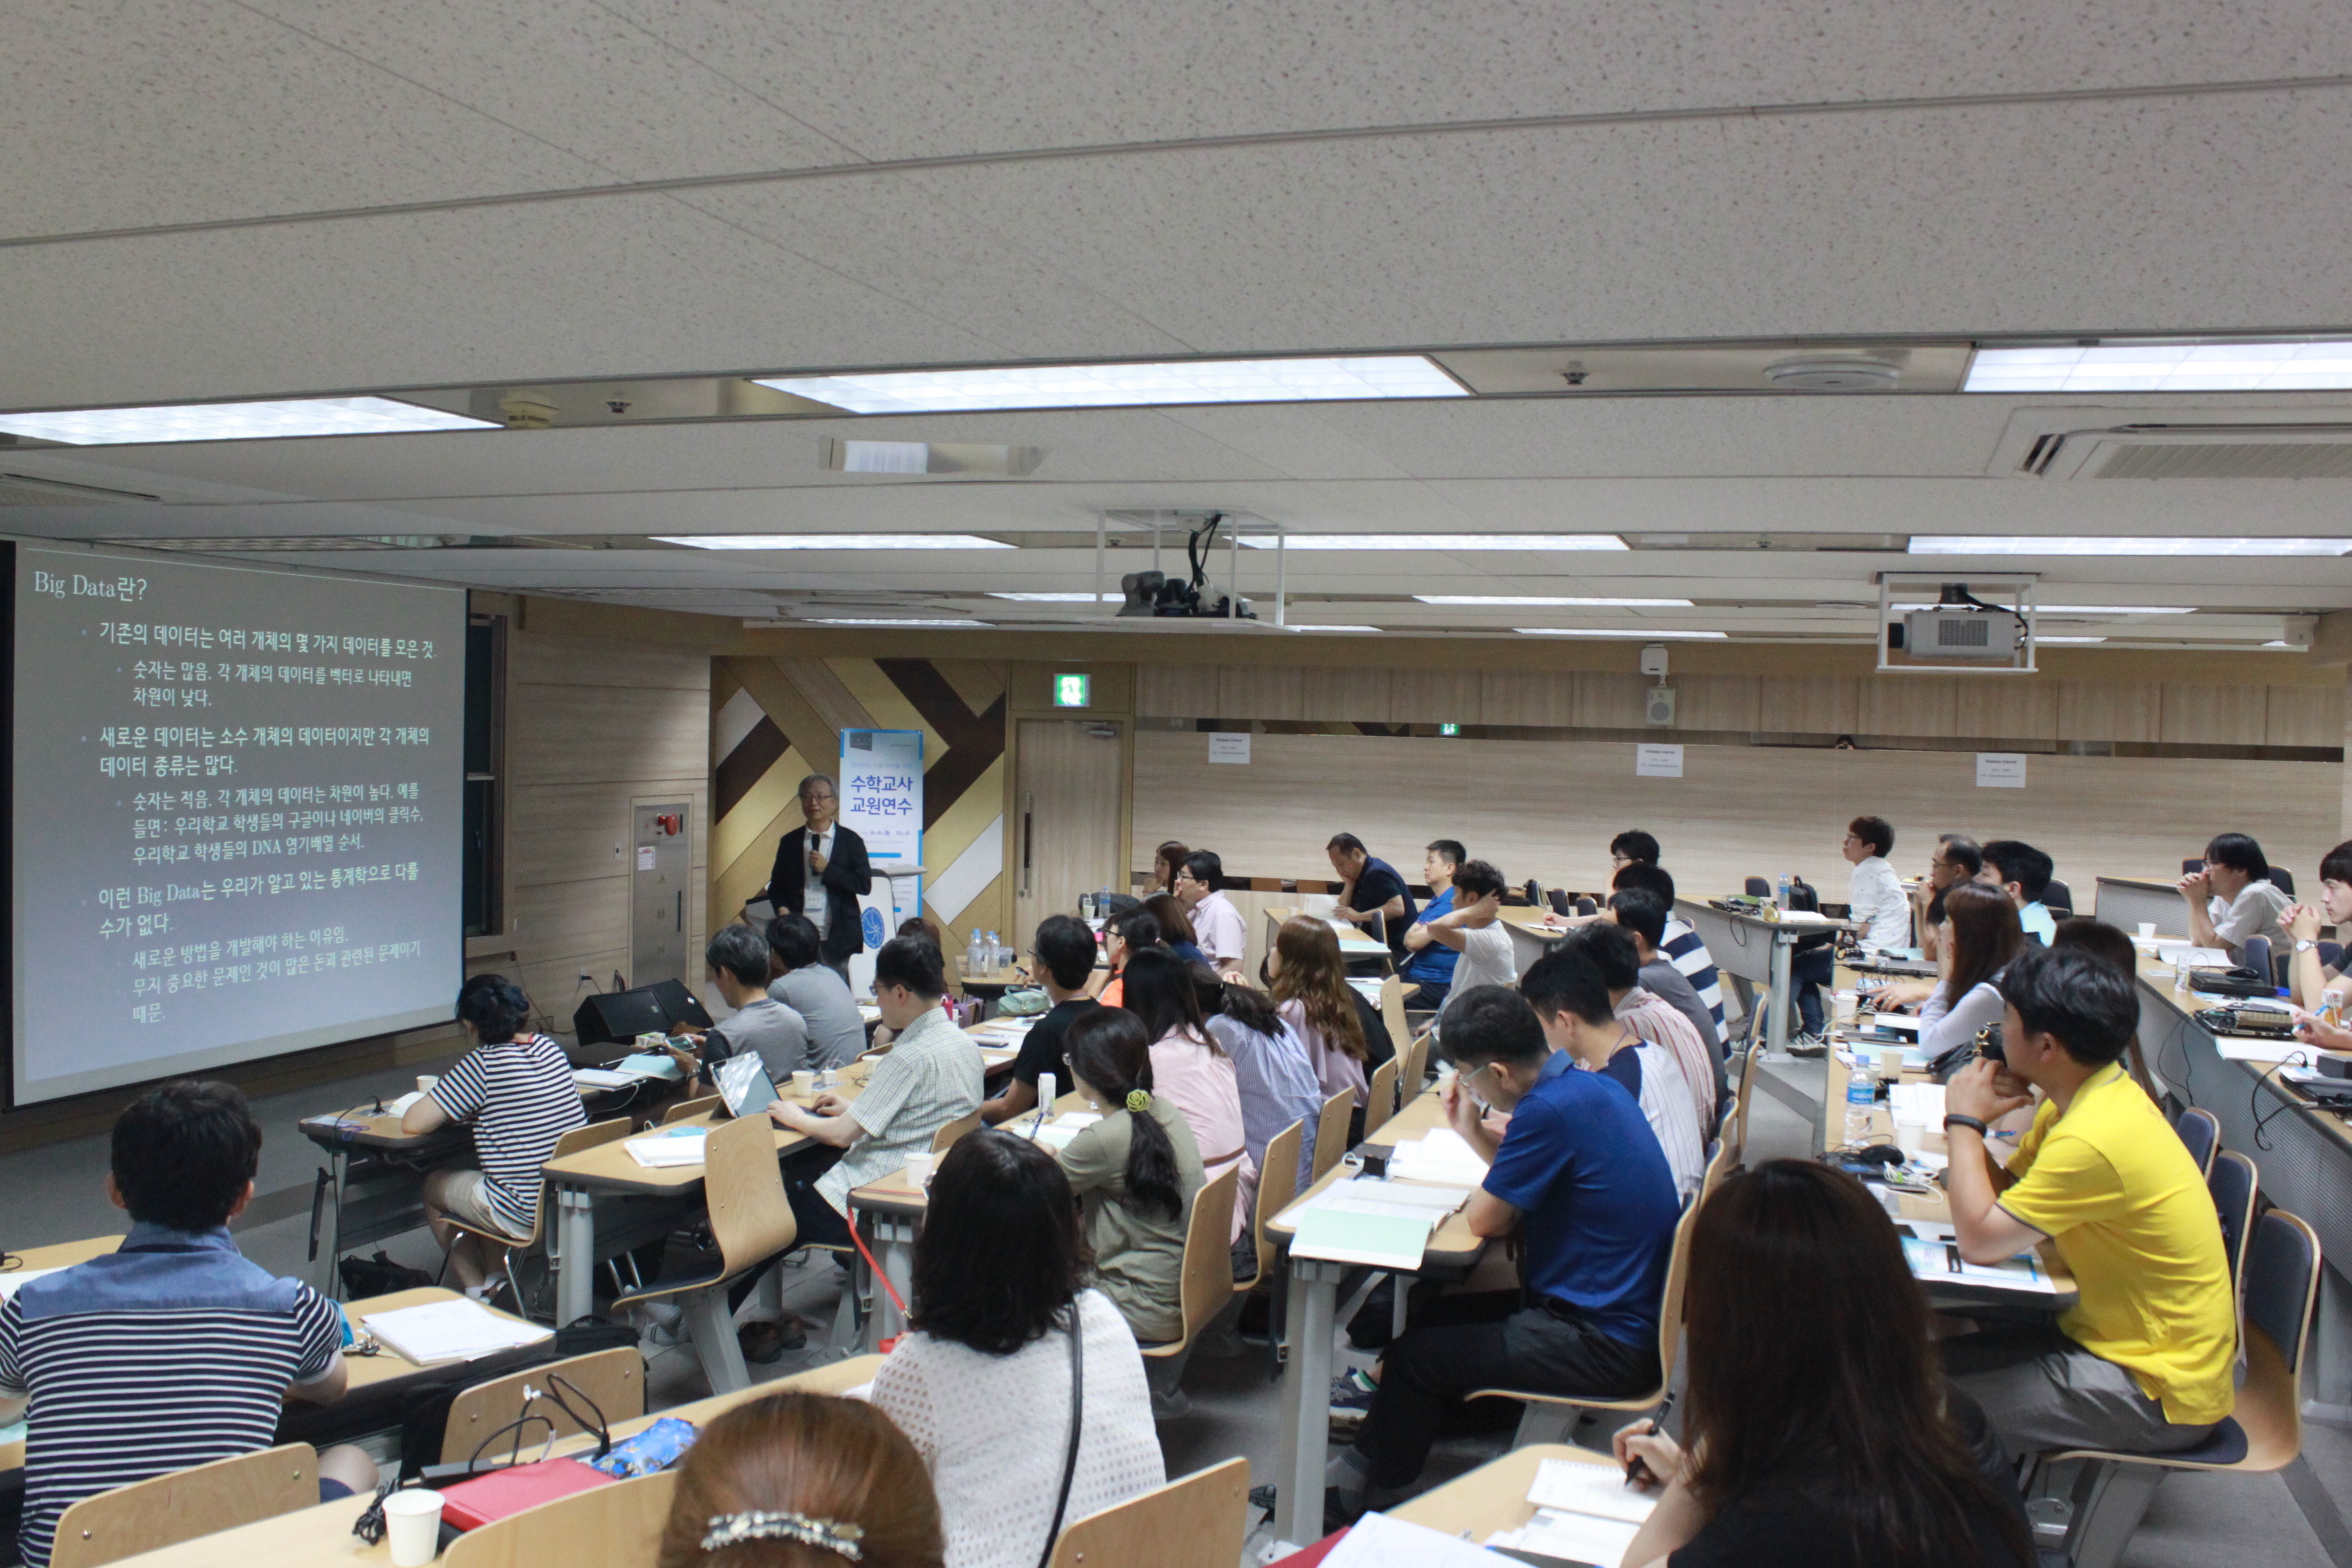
{"type": "Point", "coordinates": [821, 872]}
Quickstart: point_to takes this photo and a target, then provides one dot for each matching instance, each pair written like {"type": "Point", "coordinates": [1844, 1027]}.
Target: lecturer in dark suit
{"type": "Point", "coordinates": [821, 872]}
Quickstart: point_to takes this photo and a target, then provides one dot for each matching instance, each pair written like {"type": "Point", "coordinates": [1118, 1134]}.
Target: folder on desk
{"type": "Point", "coordinates": [1379, 1241]}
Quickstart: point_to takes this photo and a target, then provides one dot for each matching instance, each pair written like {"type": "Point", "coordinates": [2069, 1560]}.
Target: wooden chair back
{"type": "Point", "coordinates": [1725, 1157]}
{"type": "Point", "coordinates": [1733, 1134]}
{"type": "Point", "coordinates": [1383, 1093]}
{"type": "Point", "coordinates": [1331, 1131]}
{"type": "Point", "coordinates": [744, 1186]}
{"type": "Point", "coordinates": [572, 1142]}
{"type": "Point", "coordinates": [1208, 1258]}
{"type": "Point", "coordinates": [1197, 1521]}
{"type": "Point", "coordinates": [1416, 1074]}
{"type": "Point", "coordinates": [1670, 1303]}
{"type": "Point", "coordinates": [945, 1138]}
{"type": "Point", "coordinates": [185, 1504]}
{"type": "Point", "coordinates": [1277, 1187]}
{"type": "Point", "coordinates": [687, 1110]}
{"type": "Point", "coordinates": [617, 1526]}
{"type": "Point", "coordinates": [614, 1380]}
{"type": "Point", "coordinates": [1745, 1096]}
{"type": "Point", "coordinates": [1392, 1011]}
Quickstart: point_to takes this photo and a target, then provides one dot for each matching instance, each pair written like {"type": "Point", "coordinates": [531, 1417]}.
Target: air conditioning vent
{"type": "Point", "coordinates": [2227, 460]}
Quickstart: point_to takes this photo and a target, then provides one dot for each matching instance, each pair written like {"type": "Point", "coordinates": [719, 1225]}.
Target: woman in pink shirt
{"type": "Point", "coordinates": [1191, 1070]}
{"type": "Point", "coordinates": [1310, 986]}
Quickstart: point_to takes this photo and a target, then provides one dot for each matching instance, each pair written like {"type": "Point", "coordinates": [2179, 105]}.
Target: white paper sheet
{"type": "Point", "coordinates": [1572, 1486]}
{"type": "Point", "coordinates": [1917, 1102]}
{"type": "Point", "coordinates": [666, 1151]}
{"type": "Point", "coordinates": [2245, 1048]}
{"type": "Point", "coordinates": [1576, 1538]}
{"type": "Point", "coordinates": [602, 1078]}
{"type": "Point", "coordinates": [1377, 1541]}
{"type": "Point", "coordinates": [1440, 1157]}
{"type": "Point", "coordinates": [457, 1330]}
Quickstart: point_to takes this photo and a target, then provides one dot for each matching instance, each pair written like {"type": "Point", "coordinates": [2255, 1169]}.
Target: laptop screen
{"type": "Point", "coordinates": [743, 1084]}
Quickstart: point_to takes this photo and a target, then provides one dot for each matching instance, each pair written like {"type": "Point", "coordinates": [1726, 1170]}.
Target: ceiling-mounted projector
{"type": "Point", "coordinates": [1961, 627]}
{"type": "Point", "coordinates": [1157, 594]}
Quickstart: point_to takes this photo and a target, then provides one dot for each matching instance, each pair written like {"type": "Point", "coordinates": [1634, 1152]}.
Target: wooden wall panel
{"type": "Point", "coordinates": [2006, 708]}
{"type": "Point", "coordinates": [1176, 691]}
{"type": "Point", "coordinates": [581, 661]}
{"type": "Point", "coordinates": [2200, 715]}
{"type": "Point", "coordinates": [1908, 705]}
{"type": "Point", "coordinates": [1716, 702]}
{"type": "Point", "coordinates": [1544, 699]}
{"type": "Point", "coordinates": [1437, 697]}
{"type": "Point", "coordinates": [2109, 710]}
{"type": "Point", "coordinates": [1251, 691]}
{"type": "Point", "coordinates": [1607, 701]}
{"type": "Point", "coordinates": [2304, 716]}
{"type": "Point", "coordinates": [1809, 705]}
{"type": "Point", "coordinates": [609, 734]}
{"type": "Point", "coordinates": [1350, 694]}
{"type": "Point", "coordinates": [1548, 809]}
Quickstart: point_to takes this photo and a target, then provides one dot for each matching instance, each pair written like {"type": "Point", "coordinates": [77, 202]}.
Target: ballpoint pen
{"type": "Point", "coordinates": [1638, 1470]}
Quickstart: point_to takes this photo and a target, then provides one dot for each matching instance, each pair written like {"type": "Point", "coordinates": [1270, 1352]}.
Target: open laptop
{"type": "Point", "coordinates": [744, 1085]}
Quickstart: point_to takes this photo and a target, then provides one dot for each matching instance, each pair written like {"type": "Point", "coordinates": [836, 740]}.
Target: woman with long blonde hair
{"type": "Point", "coordinates": [1312, 994]}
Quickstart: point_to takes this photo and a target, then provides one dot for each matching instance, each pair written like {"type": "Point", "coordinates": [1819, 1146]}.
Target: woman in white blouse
{"type": "Point", "coordinates": [983, 1382]}
{"type": "Point", "coordinates": [2233, 898]}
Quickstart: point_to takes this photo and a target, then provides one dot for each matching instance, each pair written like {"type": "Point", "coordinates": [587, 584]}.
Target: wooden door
{"type": "Point", "coordinates": [1066, 819]}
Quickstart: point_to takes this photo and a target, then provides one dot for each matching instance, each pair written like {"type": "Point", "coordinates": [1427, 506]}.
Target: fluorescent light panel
{"type": "Point", "coordinates": [1062, 598]}
{"type": "Point", "coordinates": [270, 421]}
{"type": "Point", "coordinates": [1538, 599]}
{"type": "Point", "coordinates": [2077, 544]}
{"type": "Point", "coordinates": [886, 620]}
{"type": "Point", "coordinates": [1299, 626]}
{"type": "Point", "coordinates": [1595, 631]}
{"type": "Point", "coordinates": [2164, 367]}
{"type": "Point", "coordinates": [1437, 541]}
{"type": "Point", "coordinates": [2039, 638]}
{"type": "Point", "coordinates": [832, 541]}
{"type": "Point", "coordinates": [2113, 609]}
{"type": "Point", "coordinates": [1126, 386]}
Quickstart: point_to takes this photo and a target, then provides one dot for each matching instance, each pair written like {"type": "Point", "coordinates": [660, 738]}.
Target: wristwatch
{"type": "Point", "coordinates": [1969, 1122]}
{"type": "Point", "coordinates": [2305, 945]}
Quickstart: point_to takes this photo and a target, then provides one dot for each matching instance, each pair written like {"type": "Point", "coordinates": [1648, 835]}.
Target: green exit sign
{"type": "Point", "coordinates": [1449, 729]}
{"type": "Point", "coordinates": [1072, 691]}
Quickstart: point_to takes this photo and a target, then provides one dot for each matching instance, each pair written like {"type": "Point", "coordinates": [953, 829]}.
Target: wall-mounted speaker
{"type": "Point", "coordinates": [1658, 705]}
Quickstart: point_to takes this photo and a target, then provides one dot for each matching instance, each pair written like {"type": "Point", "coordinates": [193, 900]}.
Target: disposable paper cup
{"type": "Point", "coordinates": [918, 1170]}
{"type": "Point", "coordinates": [2147, 930]}
{"type": "Point", "coordinates": [412, 1525]}
{"type": "Point", "coordinates": [425, 1083]}
{"type": "Point", "coordinates": [1910, 1135]}
{"type": "Point", "coordinates": [804, 1081]}
{"type": "Point", "coordinates": [1846, 1003]}
{"type": "Point", "coordinates": [1890, 1062]}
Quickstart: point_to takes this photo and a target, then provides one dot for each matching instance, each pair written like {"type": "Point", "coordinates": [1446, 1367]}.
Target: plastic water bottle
{"type": "Point", "coordinates": [996, 953]}
{"type": "Point", "coordinates": [1782, 897]}
{"type": "Point", "coordinates": [1861, 1095]}
{"type": "Point", "coordinates": [972, 964]}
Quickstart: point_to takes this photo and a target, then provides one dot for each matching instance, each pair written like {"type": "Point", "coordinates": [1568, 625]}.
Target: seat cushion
{"type": "Point", "coordinates": [2224, 1445]}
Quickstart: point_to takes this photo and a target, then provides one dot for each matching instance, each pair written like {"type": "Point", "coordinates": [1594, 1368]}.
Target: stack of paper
{"type": "Point", "coordinates": [1585, 1513]}
{"type": "Point", "coordinates": [666, 1150]}
{"type": "Point", "coordinates": [458, 1330]}
{"type": "Point", "coordinates": [1370, 1195]}
{"type": "Point", "coordinates": [399, 1107]}
{"type": "Point", "coordinates": [1440, 1157]}
{"type": "Point", "coordinates": [1057, 1133]}
{"type": "Point", "coordinates": [1392, 1240]}
{"type": "Point", "coordinates": [602, 1078]}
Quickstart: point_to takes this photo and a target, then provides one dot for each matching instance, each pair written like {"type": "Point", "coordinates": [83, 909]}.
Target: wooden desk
{"type": "Point", "coordinates": [1493, 1496]}
{"type": "Point", "coordinates": [63, 1254]}
{"type": "Point", "coordinates": [321, 1537]}
{"type": "Point", "coordinates": [1751, 951]}
{"type": "Point", "coordinates": [1313, 1310]}
{"type": "Point", "coordinates": [1532, 933]}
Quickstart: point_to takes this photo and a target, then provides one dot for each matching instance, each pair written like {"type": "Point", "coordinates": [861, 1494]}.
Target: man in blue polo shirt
{"type": "Point", "coordinates": [1370, 886]}
{"type": "Point", "coordinates": [1431, 970]}
{"type": "Point", "coordinates": [172, 1351]}
{"type": "Point", "coordinates": [1580, 1178]}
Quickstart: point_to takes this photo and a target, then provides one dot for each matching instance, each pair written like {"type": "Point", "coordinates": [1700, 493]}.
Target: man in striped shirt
{"type": "Point", "coordinates": [173, 1351]}
{"type": "Point", "coordinates": [1682, 945]}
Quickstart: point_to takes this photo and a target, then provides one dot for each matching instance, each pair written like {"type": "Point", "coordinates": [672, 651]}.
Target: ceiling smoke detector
{"type": "Point", "coordinates": [1817, 373]}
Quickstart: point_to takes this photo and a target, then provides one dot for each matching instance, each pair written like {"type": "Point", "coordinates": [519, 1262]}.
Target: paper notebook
{"type": "Point", "coordinates": [1378, 1541]}
{"type": "Point", "coordinates": [602, 1078]}
{"type": "Point", "coordinates": [1440, 1157]}
{"type": "Point", "coordinates": [1371, 1195]}
{"type": "Point", "coordinates": [668, 1150]}
{"type": "Point", "coordinates": [458, 1330]}
{"type": "Point", "coordinates": [1380, 1241]}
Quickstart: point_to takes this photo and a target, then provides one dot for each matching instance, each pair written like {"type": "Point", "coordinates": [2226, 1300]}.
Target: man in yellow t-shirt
{"type": "Point", "coordinates": [2142, 1363]}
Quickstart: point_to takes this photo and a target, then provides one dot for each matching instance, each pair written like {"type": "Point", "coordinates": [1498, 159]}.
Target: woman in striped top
{"type": "Point", "coordinates": [518, 1094]}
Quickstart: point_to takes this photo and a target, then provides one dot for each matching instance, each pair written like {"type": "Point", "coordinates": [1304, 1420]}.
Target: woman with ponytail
{"type": "Point", "coordinates": [1135, 1172]}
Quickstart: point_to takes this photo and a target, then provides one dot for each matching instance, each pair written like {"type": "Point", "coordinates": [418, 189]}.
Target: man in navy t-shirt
{"type": "Point", "coordinates": [1580, 1178]}
{"type": "Point", "coordinates": [1369, 887]}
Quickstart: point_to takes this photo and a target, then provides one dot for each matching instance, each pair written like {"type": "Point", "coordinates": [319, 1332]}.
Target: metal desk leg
{"type": "Point", "coordinates": [1306, 1398]}
{"type": "Point", "coordinates": [327, 1278]}
{"type": "Point", "coordinates": [575, 1256]}
{"type": "Point", "coordinates": [893, 1241]}
{"type": "Point", "coordinates": [1783, 999]}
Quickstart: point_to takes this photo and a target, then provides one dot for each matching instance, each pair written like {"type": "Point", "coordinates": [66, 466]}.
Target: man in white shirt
{"type": "Point", "coordinates": [1217, 927]}
{"type": "Point", "coordinates": [1875, 894]}
{"type": "Point", "coordinates": [1473, 929]}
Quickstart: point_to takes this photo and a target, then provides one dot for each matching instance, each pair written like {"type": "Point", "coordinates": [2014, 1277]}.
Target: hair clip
{"type": "Point", "coordinates": [758, 1524]}
{"type": "Point", "coordinates": [1138, 1100]}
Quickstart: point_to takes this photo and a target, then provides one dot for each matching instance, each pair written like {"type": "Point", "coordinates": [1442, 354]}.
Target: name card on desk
{"type": "Point", "coordinates": [2000, 770]}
